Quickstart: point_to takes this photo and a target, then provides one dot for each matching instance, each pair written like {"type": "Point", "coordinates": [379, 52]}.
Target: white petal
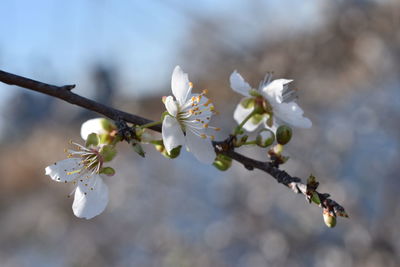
{"type": "Point", "coordinates": [172, 133]}
{"type": "Point", "coordinates": [180, 85]}
{"type": "Point", "coordinates": [93, 126]}
{"type": "Point", "coordinates": [171, 106]}
{"type": "Point", "coordinates": [273, 90]}
{"type": "Point", "coordinates": [201, 148]}
{"type": "Point", "coordinates": [93, 202]}
{"type": "Point", "coordinates": [238, 84]}
{"type": "Point", "coordinates": [64, 170]}
{"type": "Point", "coordinates": [292, 114]}
{"type": "Point", "coordinates": [241, 113]}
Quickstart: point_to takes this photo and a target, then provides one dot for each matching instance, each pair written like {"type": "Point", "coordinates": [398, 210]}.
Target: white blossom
{"type": "Point", "coordinates": [188, 118]}
{"type": "Point", "coordinates": [82, 168]}
{"type": "Point", "coordinates": [273, 93]}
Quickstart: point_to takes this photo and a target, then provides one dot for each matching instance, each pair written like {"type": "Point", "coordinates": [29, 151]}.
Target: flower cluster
{"type": "Point", "coordinates": [185, 123]}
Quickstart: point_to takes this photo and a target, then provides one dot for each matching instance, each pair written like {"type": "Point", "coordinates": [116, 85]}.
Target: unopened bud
{"type": "Point", "coordinates": [173, 153]}
{"type": "Point", "coordinates": [222, 162]}
{"type": "Point", "coordinates": [265, 138]}
{"type": "Point", "coordinates": [138, 149]}
{"type": "Point", "coordinates": [283, 134]}
{"type": "Point", "coordinates": [329, 219]}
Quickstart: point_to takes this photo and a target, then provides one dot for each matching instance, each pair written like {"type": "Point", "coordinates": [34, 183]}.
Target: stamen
{"type": "Point", "coordinates": [204, 136]}
{"type": "Point", "coordinates": [190, 84]}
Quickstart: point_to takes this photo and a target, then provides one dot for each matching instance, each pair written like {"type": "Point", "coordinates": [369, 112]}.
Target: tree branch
{"type": "Point", "coordinates": [224, 147]}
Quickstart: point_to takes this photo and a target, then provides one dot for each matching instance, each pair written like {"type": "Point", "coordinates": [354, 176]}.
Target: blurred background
{"type": "Point", "coordinates": [344, 57]}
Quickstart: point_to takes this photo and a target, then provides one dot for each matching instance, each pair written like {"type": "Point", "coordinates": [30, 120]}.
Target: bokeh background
{"type": "Point", "coordinates": [345, 59]}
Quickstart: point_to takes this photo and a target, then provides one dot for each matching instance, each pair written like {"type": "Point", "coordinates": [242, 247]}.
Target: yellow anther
{"type": "Point", "coordinates": [212, 108]}
{"type": "Point", "coordinates": [204, 92]}
{"type": "Point", "coordinates": [203, 136]}
{"type": "Point", "coordinates": [197, 119]}
{"type": "Point", "coordinates": [217, 129]}
{"type": "Point", "coordinates": [205, 125]}
{"type": "Point", "coordinates": [70, 142]}
{"type": "Point", "coordinates": [207, 103]}
{"type": "Point", "coordinates": [65, 150]}
{"type": "Point", "coordinates": [190, 84]}
{"type": "Point", "coordinates": [212, 137]}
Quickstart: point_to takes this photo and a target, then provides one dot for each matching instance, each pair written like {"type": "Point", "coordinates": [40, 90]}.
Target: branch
{"type": "Point", "coordinates": [224, 147]}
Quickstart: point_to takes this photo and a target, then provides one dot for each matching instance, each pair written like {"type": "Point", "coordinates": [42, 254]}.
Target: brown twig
{"type": "Point", "coordinates": [224, 147]}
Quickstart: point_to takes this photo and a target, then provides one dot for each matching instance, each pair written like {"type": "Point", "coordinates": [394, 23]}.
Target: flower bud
{"type": "Point", "coordinates": [265, 138]}
{"type": "Point", "coordinates": [329, 219]}
{"type": "Point", "coordinates": [174, 153]}
{"type": "Point", "coordinates": [108, 152]}
{"type": "Point", "coordinates": [222, 162]}
{"type": "Point", "coordinates": [247, 103]}
{"type": "Point", "coordinates": [283, 134]}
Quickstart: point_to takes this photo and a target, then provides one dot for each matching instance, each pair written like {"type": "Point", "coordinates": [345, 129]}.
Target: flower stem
{"type": "Point", "coordinates": [240, 126]}
{"type": "Point", "coordinates": [154, 123]}
{"type": "Point", "coordinates": [254, 142]}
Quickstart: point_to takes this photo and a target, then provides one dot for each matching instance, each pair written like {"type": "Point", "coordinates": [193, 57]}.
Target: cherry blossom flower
{"type": "Point", "coordinates": [274, 98]}
{"type": "Point", "coordinates": [84, 169]}
{"type": "Point", "coordinates": [188, 119]}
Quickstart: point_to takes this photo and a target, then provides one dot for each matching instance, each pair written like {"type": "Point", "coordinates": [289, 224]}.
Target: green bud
{"type": "Point", "coordinates": [265, 138]}
{"type": "Point", "coordinates": [92, 140]}
{"type": "Point", "coordinates": [174, 153]}
{"type": "Point", "coordinates": [108, 152]}
{"type": "Point", "coordinates": [138, 149]}
{"type": "Point", "coordinates": [222, 162]}
{"type": "Point", "coordinates": [107, 171]}
{"type": "Point", "coordinates": [329, 219]}
{"type": "Point", "coordinates": [247, 103]}
{"type": "Point", "coordinates": [283, 134]}
{"type": "Point", "coordinates": [254, 92]}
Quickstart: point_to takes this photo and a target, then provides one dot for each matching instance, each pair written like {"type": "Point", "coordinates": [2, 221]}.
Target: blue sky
{"type": "Point", "coordinates": [57, 41]}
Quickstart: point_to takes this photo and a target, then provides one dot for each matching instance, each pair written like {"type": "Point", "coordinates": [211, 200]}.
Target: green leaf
{"type": "Point", "coordinates": [92, 140]}
{"type": "Point", "coordinates": [108, 152]}
{"type": "Point", "coordinates": [138, 149]}
{"type": "Point", "coordinates": [107, 171]}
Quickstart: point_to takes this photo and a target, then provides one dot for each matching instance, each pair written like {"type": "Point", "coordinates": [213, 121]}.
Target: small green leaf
{"type": "Point", "coordinates": [108, 152]}
{"type": "Point", "coordinates": [107, 171]}
{"type": "Point", "coordinates": [92, 140]}
{"type": "Point", "coordinates": [138, 149]}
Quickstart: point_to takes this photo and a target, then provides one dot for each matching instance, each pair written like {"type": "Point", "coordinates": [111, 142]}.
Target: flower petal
{"type": "Point", "coordinates": [201, 148]}
{"type": "Point", "coordinates": [241, 113]}
{"type": "Point", "coordinates": [292, 114]}
{"type": "Point", "coordinates": [93, 202]}
{"type": "Point", "coordinates": [238, 84]}
{"type": "Point", "coordinates": [92, 126]}
{"type": "Point", "coordinates": [273, 91]}
{"type": "Point", "coordinates": [172, 133]}
{"type": "Point", "coordinates": [171, 106]}
{"type": "Point", "coordinates": [65, 170]}
{"type": "Point", "coordinates": [180, 85]}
